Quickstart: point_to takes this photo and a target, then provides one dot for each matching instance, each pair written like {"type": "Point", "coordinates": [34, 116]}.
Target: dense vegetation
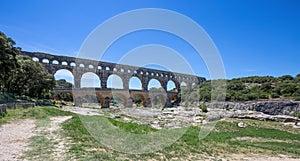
{"type": "Point", "coordinates": [254, 88]}
{"type": "Point", "coordinates": [20, 75]}
{"type": "Point", "coordinates": [62, 83]}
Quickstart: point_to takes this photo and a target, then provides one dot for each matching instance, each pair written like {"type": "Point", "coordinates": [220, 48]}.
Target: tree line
{"type": "Point", "coordinates": [247, 89]}
{"type": "Point", "coordinates": [21, 77]}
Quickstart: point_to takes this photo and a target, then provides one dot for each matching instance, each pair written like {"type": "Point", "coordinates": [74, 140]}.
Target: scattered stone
{"type": "Point", "coordinates": [242, 125]}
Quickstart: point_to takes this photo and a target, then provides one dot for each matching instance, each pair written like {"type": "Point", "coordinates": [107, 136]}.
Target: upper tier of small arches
{"type": "Point", "coordinates": [111, 68]}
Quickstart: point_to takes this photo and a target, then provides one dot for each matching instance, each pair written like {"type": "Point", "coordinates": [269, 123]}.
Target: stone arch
{"type": "Point", "coordinates": [171, 86]}
{"type": "Point", "coordinates": [118, 99]}
{"type": "Point", "coordinates": [91, 99]}
{"type": "Point", "coordinates": [64, 63]}
{"type": "Point", "coordinates": [56, 62]}
{"type": "Point", "coordinates": [154, 83]}
{"type": "Point", "coordinates": [35, 59]}
{"type": "Point", "coordinates": [46, 61]}
{"type": "Point", "coordinates": [114, 81]}
{"type": "Point", "coordinates": [158, 100]}
{"type": "Point", "coordinates": [139, 100]}
{"type": "Point", "coordinates": [73, 64]}
{"type": "Point", "coordinates": [90, 79]}
{"type": "Point", "coordinates": [64, 74]}
{"type": "Point", "coordinates": [135, 83]}
{"type": "Point", "coordinates": [183, 84]}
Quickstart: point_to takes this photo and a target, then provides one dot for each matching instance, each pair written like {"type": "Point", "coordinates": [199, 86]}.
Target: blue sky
{"type": "Point", "coordinates": [254, 37]}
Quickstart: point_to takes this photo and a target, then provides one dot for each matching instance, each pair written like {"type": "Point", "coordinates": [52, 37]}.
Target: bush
{"type": "Point", "coordinates": [297, 115]}
{"type": "Point", "coordinates": [297, 98]}
{"type": "Point", "coordinates": [203, 107]}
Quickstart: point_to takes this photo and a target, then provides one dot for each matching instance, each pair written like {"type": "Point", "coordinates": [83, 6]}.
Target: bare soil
{"type": "Point", "coordinates": [14, 138]}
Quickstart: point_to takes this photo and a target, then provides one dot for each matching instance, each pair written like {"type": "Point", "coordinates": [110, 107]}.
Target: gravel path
{"type": "Point", "coordinates": [14, 138]}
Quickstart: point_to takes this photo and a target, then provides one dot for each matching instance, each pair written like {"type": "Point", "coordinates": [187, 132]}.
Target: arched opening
{"type": "Point", "coordinates": [171, 86]}
{"type": "Point", "coordinates": [35, 59]}
{"type": "Point", "coordinates": [91, 100]}
{"type": "Point", "coordinates": [45, 61]}
{"type": "Point", "coordinates": [154, 84]}
{"type": "Point", "coordinates": [118, 100]}
{"type": "Point", "coordinates": [183, 84]}
{"type": "Point", "coordinates": [90, 79]}
{"type": "Point", "coordinates": [72, 64]}
{"type": "Point", "coordinates": [158, 100]}
{"type": "Point", "coordinates": [64, 63]}
{"type": "Point", "coordinates": [139, 100]}
{"type": "Point", "coordinates": [115, 82]}
{"type": "Point", "coordinates": [135, 83]}
{"type": "Point", "coordinates": [55, 62]}
{"type": "Point", "coordinates": [64, 79]}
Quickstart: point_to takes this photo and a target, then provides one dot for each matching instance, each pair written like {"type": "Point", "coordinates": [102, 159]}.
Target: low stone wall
{"type": "Point", "coordinates": [267, 107]}
{"type": "Point", "coordinates": [2, 110]}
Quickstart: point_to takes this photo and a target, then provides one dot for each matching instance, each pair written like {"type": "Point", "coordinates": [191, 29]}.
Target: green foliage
{"type": "Point", "coordinates": [265, 138]}
{"type": "Point", "coordinates": [8, 61]}
{"type": "Point", "coordinates": [31, 79]}
{"type": "Point", "coordinates": [297, 115]}
{"type": "Point", "coordinates": [137, 99]}
{"type": "Point", "coordinates": [64, 96]}
{"type": "Point", "coordinates": [37, 112]}
{"type": "Point", "coordinates": [20, 75]}
{"type": "Point", "coordinates": [251, 88]}
{"type": "Point", "coordinates": [203, 107]}
{"type": "Point", "coordinates": [62, 83]}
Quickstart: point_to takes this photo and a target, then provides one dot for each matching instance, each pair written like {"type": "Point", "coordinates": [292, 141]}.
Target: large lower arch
{"type": "Point", "coordinates": [139, 100]}
{"type": "Point", "coordinates": [90, 79]}
{"type": "Point", "coordinates": [66, 75]}
{"type": "Point", "coordinates": [158, 100]}
{"type": "Point", "coordinates": [154, 84]}
{"type": "Point", "coordinates": [171, 86]}
{"type": "Point", "coordinates": [135, 83]}
{"type": "Point", "coordinates": [118, 100]}
{"type": "Point", "coordinates": [115, 82]}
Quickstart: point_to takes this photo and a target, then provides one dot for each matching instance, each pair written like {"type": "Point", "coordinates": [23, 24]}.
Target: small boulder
{"type": "Point", "coordinates": [242, 125]}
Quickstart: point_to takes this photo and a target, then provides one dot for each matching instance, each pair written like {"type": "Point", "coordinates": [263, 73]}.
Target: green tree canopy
{"type": "Point", "coordinates": [8, 61]}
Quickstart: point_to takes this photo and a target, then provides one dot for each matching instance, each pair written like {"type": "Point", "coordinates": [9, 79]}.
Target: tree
{"type": "Point", "coordinates": [297, 78]}
{"type": "Point", "coordinates": [31, 79]}
{"type": "Point", "coordinates": [286, 78]}
{"type": "Point", "coordinates": [62, 83]}
{"type": "Point", "coordinates": [8, 61]}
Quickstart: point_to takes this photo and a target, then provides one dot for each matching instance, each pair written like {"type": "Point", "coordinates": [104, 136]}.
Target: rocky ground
{"type": "Point", "coordinates": [177, 117]}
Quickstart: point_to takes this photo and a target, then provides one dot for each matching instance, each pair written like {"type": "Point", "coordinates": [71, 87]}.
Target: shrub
{"type": "Point", "coordinates": [203, 107]}
{"type": "Point", "coordinates": [297, 115]}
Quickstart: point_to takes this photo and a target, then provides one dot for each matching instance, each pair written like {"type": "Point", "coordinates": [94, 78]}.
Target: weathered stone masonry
{"type": "Point", "coordinates": [103, 70]}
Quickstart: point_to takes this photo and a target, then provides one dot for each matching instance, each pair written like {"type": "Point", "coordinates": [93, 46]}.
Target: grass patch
{"type": "Point", "coordinates": [220, 141]}
{"type": "Point", "coordinates": [38, 112]}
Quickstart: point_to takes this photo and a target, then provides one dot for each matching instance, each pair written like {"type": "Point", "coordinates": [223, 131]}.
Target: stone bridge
{"type": "Point", "coordinates": [79, 66]}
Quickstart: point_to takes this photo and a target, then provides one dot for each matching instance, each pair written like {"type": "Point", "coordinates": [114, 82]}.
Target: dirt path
{"type": "Point", "coordinates": [14, 138]}
{"type": "Point", "coordinates": [53, 135]}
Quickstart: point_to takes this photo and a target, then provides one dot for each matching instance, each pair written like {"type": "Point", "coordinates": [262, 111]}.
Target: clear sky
{"type": "Point", "coordinates": [254, 37]}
